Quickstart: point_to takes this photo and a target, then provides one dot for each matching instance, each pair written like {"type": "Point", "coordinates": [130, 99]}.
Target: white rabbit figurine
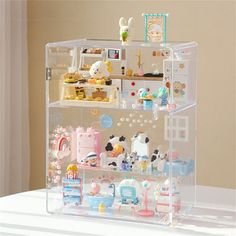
{"type": "Point", "coordinates": [126, 30]}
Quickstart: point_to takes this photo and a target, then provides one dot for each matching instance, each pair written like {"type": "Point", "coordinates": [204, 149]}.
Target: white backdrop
{"type": "Point", "coordinates": [14, 121]}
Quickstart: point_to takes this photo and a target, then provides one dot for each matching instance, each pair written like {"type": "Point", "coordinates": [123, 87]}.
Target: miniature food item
{"type": "Point", "coordinates": [72, 77]}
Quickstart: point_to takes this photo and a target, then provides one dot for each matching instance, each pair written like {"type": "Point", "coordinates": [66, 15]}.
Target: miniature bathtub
{"type": "Point", "coordinates": [94, 201]}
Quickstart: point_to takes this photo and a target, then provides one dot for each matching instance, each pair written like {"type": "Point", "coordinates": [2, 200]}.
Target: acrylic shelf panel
{"type": "Point", "coordinates": [121, 146]}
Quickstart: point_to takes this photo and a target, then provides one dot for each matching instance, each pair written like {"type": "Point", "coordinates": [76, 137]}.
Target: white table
{"type": "Point", "coordinates": [25, 214]}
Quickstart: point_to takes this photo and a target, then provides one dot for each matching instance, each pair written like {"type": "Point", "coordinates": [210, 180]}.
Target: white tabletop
{"type": "Point", "coordinates": [25, 214]}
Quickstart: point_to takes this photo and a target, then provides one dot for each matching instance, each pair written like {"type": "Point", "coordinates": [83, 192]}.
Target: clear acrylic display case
{"type": "Point", "coordinates": [121, 147]}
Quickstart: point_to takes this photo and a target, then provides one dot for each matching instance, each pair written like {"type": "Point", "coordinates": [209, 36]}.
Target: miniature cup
{"type": "Point", "coordinates": [129, 72]}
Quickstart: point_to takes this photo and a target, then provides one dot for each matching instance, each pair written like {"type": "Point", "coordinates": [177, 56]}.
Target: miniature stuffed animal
{"type": "Point", "coordinates": [99, 72]}
{"type": "Point", "coordinates": [126, 30]}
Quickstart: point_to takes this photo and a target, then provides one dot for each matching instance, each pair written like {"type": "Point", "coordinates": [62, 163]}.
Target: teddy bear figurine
{"type": "Point", "coordinates": [126, 30]}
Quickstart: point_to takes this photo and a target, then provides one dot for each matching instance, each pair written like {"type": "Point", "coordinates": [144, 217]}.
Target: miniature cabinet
{"type": "Point", "coordinates": [120, 144]}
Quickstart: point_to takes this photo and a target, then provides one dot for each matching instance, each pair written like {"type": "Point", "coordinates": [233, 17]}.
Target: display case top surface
{"type": "Point", "coordinates": [102, 43]}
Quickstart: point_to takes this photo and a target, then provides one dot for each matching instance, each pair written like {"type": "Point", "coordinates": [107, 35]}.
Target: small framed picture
{"type": "Point", "coordinates": [113, 54]}
{"type": "Point", "coordinates": [155, 27]}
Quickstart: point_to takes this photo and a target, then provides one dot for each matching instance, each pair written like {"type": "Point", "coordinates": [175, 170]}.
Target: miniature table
{"type": "Point", "coordinates": [25, 214]}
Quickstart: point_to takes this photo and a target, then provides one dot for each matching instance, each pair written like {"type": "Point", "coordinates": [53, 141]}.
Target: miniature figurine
{"type": "Point", "coordinates": [163, 95]}
{"type": "Point", "coordinates": [72, 171]}
{"type": "Point", "coordinates": [72, 186]}
{"type": "Point", "coordinates": [132, 160]}
{"type": "Point", "coordinates": [140, 144]}
{"type": "Point", "coordinates": [95, 188]}
{"type": "Point", "coordinates": [158, 161]}
{"type": "Point", "coordinates": [91, 159]}
{"type": "Point", "coordinates": [101, 207]}
{"type": "Point", "coordinates": [146, 212]}
{"type": "Point", "coordinates": [126, 30]}
{"type": "Point", "coordinates": [99, 72]}
{"type": "Point", "coordinates": [124, 166]}
{"type": "Point", "coordinates": [146, 98]}
{"type": "Point", "coordinates": [143, 163]}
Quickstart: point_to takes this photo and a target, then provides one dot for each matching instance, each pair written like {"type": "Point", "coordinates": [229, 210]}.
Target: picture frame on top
{"type": "Point", "coordinates": [155, 27]}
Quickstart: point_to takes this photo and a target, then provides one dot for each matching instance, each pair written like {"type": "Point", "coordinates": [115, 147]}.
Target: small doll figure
{"type": "Point", "coordinates": [126, 30]}
{"type": "Point", "coordinates": [124, 165]}
{"type": "Point", "coordinates": [72, 171]}
{"type": "Point", "coordinates": [146, 98]}
{"type": "Point", "coordinates": [163, 95]}
{"type": "Point", "coordinates": [143, 163]}
{"type": "Point", "coordinates": [99, 72]}
{"type": "Point", "coordinates": [91, 159]}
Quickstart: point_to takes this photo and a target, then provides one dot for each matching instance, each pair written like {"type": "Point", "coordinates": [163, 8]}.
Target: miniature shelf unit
{"type": "Point", "coordinates": [121, 146]}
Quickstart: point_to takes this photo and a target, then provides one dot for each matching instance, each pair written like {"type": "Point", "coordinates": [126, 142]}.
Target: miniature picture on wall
{"type": "Point", "coordinates": [155, 27]}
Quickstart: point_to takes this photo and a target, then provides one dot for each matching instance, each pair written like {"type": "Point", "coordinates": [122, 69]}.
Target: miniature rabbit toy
{"type": "Point", "coordinates": [126, 30]}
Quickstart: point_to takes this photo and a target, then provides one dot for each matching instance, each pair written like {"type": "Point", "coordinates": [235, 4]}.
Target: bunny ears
{"type": "Point", "coordinates": [123, 22]}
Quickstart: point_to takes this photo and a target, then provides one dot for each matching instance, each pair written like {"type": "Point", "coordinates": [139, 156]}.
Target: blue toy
{"type": "Point", "coordinates": [163, 95]}
{"type": "Point", "coordinates": [100, 198]}
{"type": "Point", "coordinates": [147, 104]}
{"type": "Point", "coordinates": [128, 190]}
{"type": "Point", "coordinates": [72, 191]}
{"type": "Point", "coordinates": [179, 167]}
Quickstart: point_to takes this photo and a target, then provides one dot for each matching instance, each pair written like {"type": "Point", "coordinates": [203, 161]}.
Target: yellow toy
{"type": "Point", "coordinates": [143, 163]}
{"type": "Point", "coordinates": [72, 171]}
{"type": "Point", "coordinates": [101, 207]}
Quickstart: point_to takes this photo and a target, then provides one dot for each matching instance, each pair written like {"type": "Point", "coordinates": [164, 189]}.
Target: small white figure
{"type": "Point", "coordinates": [99, 70]}
{"type": "Point", "coordinates": [126, 30]}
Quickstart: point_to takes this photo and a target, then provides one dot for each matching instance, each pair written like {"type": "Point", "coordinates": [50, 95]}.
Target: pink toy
{"type": "Point", "coordinates": [60, 141]}
{"type": "Point", "coordinates": [95, 189]}
{"type": "Point", "coordinates": [146, 212]}
{"type": "Point", "coordinates": [84, 142]}
{"type": "Point", "coordinates": [162, 193]}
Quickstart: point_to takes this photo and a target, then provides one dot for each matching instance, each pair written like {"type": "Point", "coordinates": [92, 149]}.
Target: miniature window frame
{"type": "Point", "coordinates": [147, 17]}
{"type": "Point", "coordinates": [180, 131]}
